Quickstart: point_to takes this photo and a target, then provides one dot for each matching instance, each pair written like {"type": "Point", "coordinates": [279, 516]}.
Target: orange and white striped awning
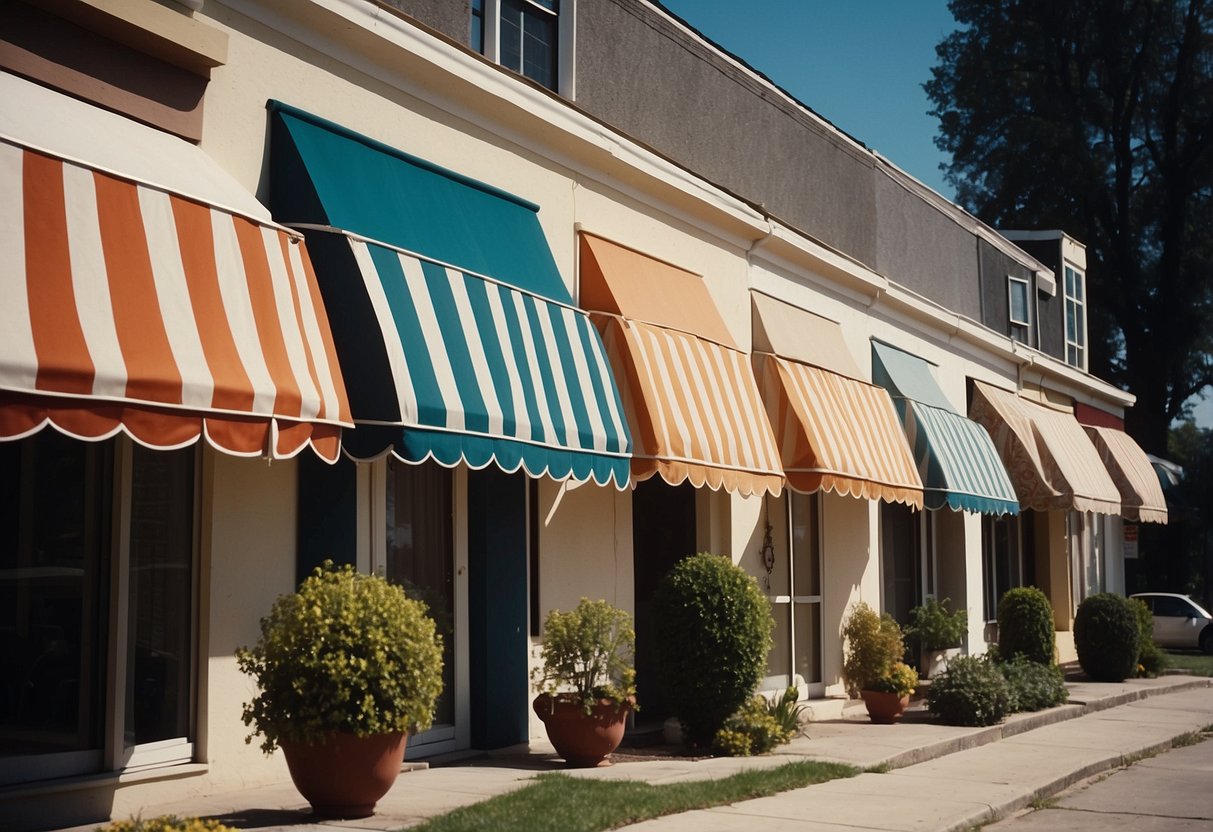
{"type": "Point", "coordinates": [688, 392]}
{"type": "Point", "coordinates": [1052, 463]}
{"type": "Point", "coordinates": [126, 306]}
{"type": "Point", "coordinates": [838, 434]}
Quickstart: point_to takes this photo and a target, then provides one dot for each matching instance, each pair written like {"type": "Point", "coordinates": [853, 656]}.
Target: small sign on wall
{"type": "Point", "coordinates": [1130, 540]}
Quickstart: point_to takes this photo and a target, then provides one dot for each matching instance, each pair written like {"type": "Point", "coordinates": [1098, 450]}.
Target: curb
{"type": "Point", "coordinates": [1022, 723]}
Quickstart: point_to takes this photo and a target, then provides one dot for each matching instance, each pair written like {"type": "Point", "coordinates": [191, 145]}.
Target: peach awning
{"type": "Point", "coordinates": [127, 306]}
{"type": "Point", "coordinates": [689, 393]}
{"type": "Point", "coordinates": [1052, 463]}
{"type": "Point", "coordinates": [1140, 491]}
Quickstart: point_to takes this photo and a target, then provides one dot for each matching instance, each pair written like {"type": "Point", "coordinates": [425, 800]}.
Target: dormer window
{"type": "Point", "coordinates": [1076, 318]}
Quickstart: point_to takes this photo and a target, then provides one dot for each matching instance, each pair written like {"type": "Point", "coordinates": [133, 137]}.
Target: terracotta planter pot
{"type": "Point", "coordinates": [884, 708]}
{"type": "Point", "coordinates": [346, 775]}
{"type": "Point", "coordinates": [583, 740]}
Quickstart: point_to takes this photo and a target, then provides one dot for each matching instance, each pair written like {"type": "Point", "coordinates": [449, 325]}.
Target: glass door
{"type": "Point", "coordinates": [422, 553]}
{"type": "Point", "coordinates": [793, 585]}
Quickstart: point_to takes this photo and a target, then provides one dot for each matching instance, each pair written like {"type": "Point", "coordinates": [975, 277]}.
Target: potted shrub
{"type": "Point", "coordinates": [347, 666]}
{"type": "Point", "coordinates": [873, 669]}
{"type": "Point", "coordinates": [940, 633]}
{"type": "Point", "coordinates": [587, 684]}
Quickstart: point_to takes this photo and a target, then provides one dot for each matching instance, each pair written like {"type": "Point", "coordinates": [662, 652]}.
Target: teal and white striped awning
{"type": "Point", "coordinates": [461, 340]}
{"type": "Point", "coordinates": [956, 458]}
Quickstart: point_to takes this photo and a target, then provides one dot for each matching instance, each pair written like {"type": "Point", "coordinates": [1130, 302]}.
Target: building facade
{"type": "Point", "coordinates": [513, 302]}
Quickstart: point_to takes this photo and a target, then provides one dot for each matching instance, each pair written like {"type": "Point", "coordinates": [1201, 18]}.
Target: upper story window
{"type": "Point", "coordinates": [530, 37]}
{"type": "Point", "coordinates": [1018, 313]}
{"type": "Point", "coordinates": [1076, 318]}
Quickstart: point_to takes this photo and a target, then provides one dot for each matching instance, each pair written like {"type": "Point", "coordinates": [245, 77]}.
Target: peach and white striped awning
{"type": "Point", "coordinates": [689, 395]}
{"type": "Point", "coordinates": [838, 434]}
{"type": "Point", "coordinates": [1140, 491]}
{"type": "Point", "coordinates": [128, 307]}
{"type": "Point", "coordinates": [1052, 463]}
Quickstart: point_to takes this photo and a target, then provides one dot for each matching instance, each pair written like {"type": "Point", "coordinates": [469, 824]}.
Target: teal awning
{"type": "Point", "coordinates": [959, 466]}
{"type": "Point", "coordinates": [458, 337]}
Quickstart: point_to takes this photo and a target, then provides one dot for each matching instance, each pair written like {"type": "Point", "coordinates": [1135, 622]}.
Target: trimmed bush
{"type": "Point", "coordinates": [972, 691]}
{"type": "Point", "coordinates": [1150, 659]}
{"type": "Point", "coordinates": [757, 728]}
{"type": "Point", "coordinates": [712, 629]}
{"type": "Point", "coordinates": [1107, 637]}
{"type": "Point", "coordinates": [1025, 625]}
{"type": "Point", "coordinates": [1034, 686]}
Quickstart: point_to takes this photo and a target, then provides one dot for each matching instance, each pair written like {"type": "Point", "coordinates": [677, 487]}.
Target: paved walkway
{"type": "Point", "coordinates": [939, 777]}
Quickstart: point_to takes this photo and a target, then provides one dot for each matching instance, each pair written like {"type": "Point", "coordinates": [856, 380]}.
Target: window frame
{"type": "Point", "coordinates": [489, 14]}
{"type": "Point", "coordinates": [112, 755]}
{"type": "Point", "coordinates": [1075, 299]}
{"type": "Point", "coordinates": [1012, 322]}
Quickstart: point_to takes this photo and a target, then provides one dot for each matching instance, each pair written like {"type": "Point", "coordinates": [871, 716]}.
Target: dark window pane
{"type": "Point", "coordinates": [510, 34]}
{"type": "Point", "coordinates": [539, 48]}
{"type": "Point", "coordinates": [54, 570]}
{"type": "Point", "coordinates": [159, 658]}
{"type": "Point", "coordinates": [420, 556]}
{"type": "Point", "coordinates": [477, 35]}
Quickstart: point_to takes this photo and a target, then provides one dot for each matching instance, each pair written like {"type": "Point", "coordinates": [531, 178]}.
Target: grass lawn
{"type": "Point", "coordinates": [1198, 664]}
{"type": "Point", "coordinates": [560, 803]}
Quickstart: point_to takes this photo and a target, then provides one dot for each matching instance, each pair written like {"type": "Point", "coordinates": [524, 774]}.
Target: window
{"type": "Point", "coordinates": [1006, 550]}
{"type": "Point", "coordinates": [1018, 312]}
{"type": "Point", "coordinates": [1076, 318]}
{"type": "Point", "coordinates": [907, 552]}
{"type": "Point", "coordinates": [1086, 555]}
{"type": "Point", "coordinates": [794, 590]}
{"type": "Point", "coordinates": [96, 606]}
{"type": "Point", "coordinates": [530, 37]}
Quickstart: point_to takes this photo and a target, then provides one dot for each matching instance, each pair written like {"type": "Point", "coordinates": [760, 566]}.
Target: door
{"type": "Point", "coordinates": [421, 551]}
{"type": "Point", "coordinates": [663, 533]}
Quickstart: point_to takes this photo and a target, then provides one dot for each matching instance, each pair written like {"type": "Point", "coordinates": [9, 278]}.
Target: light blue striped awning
{"type": "Point", "coordinates": [956, 458]}
{"type": "Point", "coordinates": [461, 341]}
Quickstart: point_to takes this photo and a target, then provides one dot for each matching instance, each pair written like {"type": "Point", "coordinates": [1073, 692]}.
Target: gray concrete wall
{"type": "Point", "coordinates": [639, 72]}
{"type": "Point", "coordinates": [995, 304]}
{"type": "Point", "coordinates": [452, 18]}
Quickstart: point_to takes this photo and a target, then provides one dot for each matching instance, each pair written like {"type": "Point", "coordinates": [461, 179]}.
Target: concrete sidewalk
{"type": "Point", "coordinates": [939, 777]}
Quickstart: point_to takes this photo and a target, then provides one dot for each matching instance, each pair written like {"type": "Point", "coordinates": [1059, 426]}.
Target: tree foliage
{"type": "Point", "coordinates": [1096, 117]}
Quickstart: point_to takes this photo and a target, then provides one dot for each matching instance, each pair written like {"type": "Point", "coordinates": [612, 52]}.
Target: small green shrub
{"type": "Point", "coordinates": [1034, 686]}
{"type": "Point", "coordinates": [874, 645]}
{"type": "Point", "coordinates": [1150, 659]}
{"type": "Point", "coordinates": [165, 823]}
{"type": "Point", "coordinates": [760, 725]}
{"type": "Point", "coordinates": [587, 653]}
{"type": "Point", "coordinates": [901, 680]}
{"type": "Point", "coordinates": [1107, 637]}
{"type": "Point", "coordinates": [936, 627]}
{"type": "Point", "coordinates": [713, 632]}
{"type": "Point", "coordinates": [971, 691]}
{"type": "Point", "coordinates": [1025, 625]}
{"type": "Point", "coordinates": [346, 652]}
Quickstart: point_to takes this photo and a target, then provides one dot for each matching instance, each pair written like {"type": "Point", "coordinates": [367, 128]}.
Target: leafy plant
{"type": "Point", "coordinates": [1025, 625]}
{"type": "Point", "coordinates": [901, 679]}
{"type": "Point", "coordinates": [1107, 637]}
{"type": "Point", "coordinates": [1034, 686]}
{"type": "Point", "coordinates": [165, 823]}
{"type": "Point", "coordinates": [936, 627]}
{"type": "Point", "coordinates": [972, 691]}
{"type": "Point", "coordinates": [713, 632]}
{"type": "Point", "coordinates": [874, 645]}
{"type": "Point", "coordinates": [588, 654]}
{"type": "Point", "coordinates": [759, 726]}
{"type": "Point", "coordinates": [347, 652]}
{"type": "Point", "coordinates": [1150, 659]}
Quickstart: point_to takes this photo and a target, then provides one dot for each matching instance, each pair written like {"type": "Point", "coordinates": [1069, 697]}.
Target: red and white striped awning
{"type": "Point", "coordinates": [126, 306]}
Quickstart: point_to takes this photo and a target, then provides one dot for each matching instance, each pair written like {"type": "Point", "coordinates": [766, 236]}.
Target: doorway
{"type": "Point", "coordinates": [663, 533]}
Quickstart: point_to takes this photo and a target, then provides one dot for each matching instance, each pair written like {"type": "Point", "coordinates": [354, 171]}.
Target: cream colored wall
{"type": "Point", "coordinates": [850, 573]}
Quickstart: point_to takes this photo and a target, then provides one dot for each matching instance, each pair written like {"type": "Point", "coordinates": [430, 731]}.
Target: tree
{"type": "Point", "coordinates": [1096, 117]}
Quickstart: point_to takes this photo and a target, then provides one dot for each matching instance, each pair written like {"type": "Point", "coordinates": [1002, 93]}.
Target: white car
{"type": "Point", "coordinates": [1179, 621]}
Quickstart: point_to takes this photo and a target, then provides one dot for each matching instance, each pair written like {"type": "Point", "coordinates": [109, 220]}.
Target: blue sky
{"type": "Point", "coordinates": [860, 64]}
